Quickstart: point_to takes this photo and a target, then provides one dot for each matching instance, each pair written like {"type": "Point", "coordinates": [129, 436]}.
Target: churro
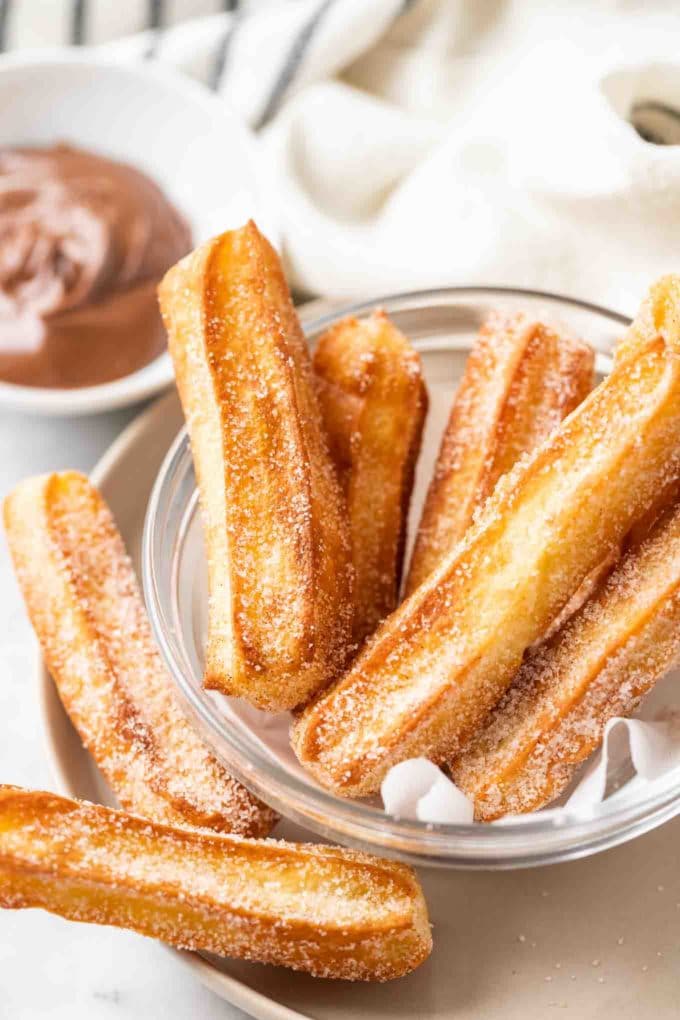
{"type": "Point", "coordinates": [437, 666]}
{"type": "Point", "coordinates": [521, 380]}
{"type": "Point", "coordinates": [277, 536]}
{"type": "Point", "coordinates": [83, 601]}
{"type": "Point", "coordinates": [658, 315]}
{"type": "Point", "coordinates": [373, 400]}
{"type": "Point", "coordinates": [598, 666]}
{"type": "Point", "coordinates": [330, 912]}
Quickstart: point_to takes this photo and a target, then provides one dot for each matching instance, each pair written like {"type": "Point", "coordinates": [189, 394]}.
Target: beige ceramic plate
{"type": "Point", "coordinates": [598, 938]}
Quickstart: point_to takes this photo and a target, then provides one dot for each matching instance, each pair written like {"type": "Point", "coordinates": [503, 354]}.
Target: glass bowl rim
{"type": "Point", "coordinates": [540, 838]}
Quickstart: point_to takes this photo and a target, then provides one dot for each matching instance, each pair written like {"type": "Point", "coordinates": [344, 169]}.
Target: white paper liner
{"type": "Point", "coordinates": [649, 750]}
{"type": "Point", "coordinates": [418, 789]}
{"type": "Point", "coordinates": [652, 748]}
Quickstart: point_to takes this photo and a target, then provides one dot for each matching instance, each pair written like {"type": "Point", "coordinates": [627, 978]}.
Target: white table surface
{"type": "Point", "coordinates": [50, 967]}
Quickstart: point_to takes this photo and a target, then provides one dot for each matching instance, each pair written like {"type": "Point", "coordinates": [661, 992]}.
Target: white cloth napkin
{"type": "Point", "coordinates": [415, 143]}
{"type": "Point", "coordinates": [435, 142]}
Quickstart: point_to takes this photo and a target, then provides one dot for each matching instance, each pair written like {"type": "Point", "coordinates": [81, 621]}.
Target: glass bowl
{"type": "Point", "coordinates": [441, 324]}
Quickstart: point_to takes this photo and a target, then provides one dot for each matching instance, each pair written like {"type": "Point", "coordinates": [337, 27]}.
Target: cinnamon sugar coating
{"type": "Point", "coordinates": [330, 912]}
{"type": "Point", "coordinates": [438, 665]}
{"type": "Point", "coordinates": [86, 609]}
{"type": "Point", "coordinates": [277, 536]}
{"type": "Point", "coordinates": [658, 316]}
{"type": "Point", "coordinates": [599, 665]}
{"type": "Point", "coordinates": [373, 401]}
{"type": "Point", "coordinates": [521, 380]}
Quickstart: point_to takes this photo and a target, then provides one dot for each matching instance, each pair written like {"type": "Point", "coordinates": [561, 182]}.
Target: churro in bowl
{"type": "Point", "coordinates": [540, 488]}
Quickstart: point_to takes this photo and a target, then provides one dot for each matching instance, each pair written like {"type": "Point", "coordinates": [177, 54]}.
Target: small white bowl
{"type": "Point", "coordinates": [169, 126]}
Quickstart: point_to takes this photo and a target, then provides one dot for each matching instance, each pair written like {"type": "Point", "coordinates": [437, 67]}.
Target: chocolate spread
{"type": "Point", "coordinates": [83, 243]}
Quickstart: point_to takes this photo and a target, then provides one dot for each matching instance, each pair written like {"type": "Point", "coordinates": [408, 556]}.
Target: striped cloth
{"type": "Point", "coordinates": [255, 53]}
{"type": "Point", "coordinates": [418, 143]}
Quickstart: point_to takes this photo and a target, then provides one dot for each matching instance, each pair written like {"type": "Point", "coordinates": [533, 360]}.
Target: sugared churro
{"type": "Point", "coordinates": [86, 609]}
{"type": "Point", "coordinates": [598, 666]}
{"type": "Point", "coordinates": [440, 663]}
{"type": "Point", "coordinates": [659, 315]}
{"type": "Point", "coordinates": [521, 379]}
{"type": "Point", "coordinates": [373, 400]}
{"type": "Point", "coordinates": [331, 912]}
{"type": "Point", "coordinates": [277, 537]}
{"type": "Point", "coordinates": [665, 498]}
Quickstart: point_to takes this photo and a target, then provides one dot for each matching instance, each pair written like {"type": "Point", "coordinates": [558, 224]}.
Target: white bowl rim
{"type": "Point", "coordinates": [158, 374]}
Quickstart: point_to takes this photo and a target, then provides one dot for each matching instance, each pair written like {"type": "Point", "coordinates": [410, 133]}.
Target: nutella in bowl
{"type": "Point", "coordinates": [84, 241]}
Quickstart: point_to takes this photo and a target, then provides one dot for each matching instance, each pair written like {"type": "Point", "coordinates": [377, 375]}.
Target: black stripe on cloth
{"type": "Point", "coordinates": [4, 22]}
{"type": "Point", "coordinates": [223, 50]}
{"type": "Point", "coordinates": [78, 22]}
{"type": "Point", "coordinates": [156, 23]}
{"type": "Point", "coordinates": [656, 122]}
{"type": "Point", "coordinates": [292, 62]}
{"type": "Point", "coordinates": [229, 5]}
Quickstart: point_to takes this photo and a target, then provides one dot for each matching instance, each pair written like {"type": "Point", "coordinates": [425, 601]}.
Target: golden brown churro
{"type": "Point", "coordinates": [331, 912]}
{"type": "Point", "coordinates": [598, 666]}
{"type": "Point", "coordinates": [659, 315]}
{"type": "Point", "coordinates": [276, 528]}
{"type": "Point", "coordinates": [521, 379]}
{"type": "Point", "coordinates": [440, 663]}
{"type": "Point", "coordinates": [665, 498]}
{"type": "Point", "coordinates": [86, 609]}
{"type": "Point", "coordinates": [373, 400]}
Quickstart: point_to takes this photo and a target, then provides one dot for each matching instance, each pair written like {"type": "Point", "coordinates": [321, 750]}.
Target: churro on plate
{"type": "Point", "coordinates": [436, 667]}
{"type": "Point", "coordinates": [86, 609]}
{"type": "Point", "coordinates": [598, 666]}
{"type": "Point", "coordinates": [276, 530]}
{"type": "Point", "coordinates": [374, 401]}
{"type": "Point", "coordinates": [330, 912]}
{"type": "Point", "coordinates": [521, 380]}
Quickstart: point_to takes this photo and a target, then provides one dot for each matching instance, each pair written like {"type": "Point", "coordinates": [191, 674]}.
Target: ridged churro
{"type": "Point", "coordinates": [659, 315]}
{"type": "Point", "coordinates": [277, 536]}
{"type": "Point", "coordinates": [440, 663]}
{"type": "Point", "coordinates": [83, 601]}
{"type": "Point", "coordinates": [521, 380]}
{"type": "Point", "coordinates": [373, 400]}
{"type": "Point", "coordinates": [598, 666]}
{"type": "Point", "coordinates": [331, 912]}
